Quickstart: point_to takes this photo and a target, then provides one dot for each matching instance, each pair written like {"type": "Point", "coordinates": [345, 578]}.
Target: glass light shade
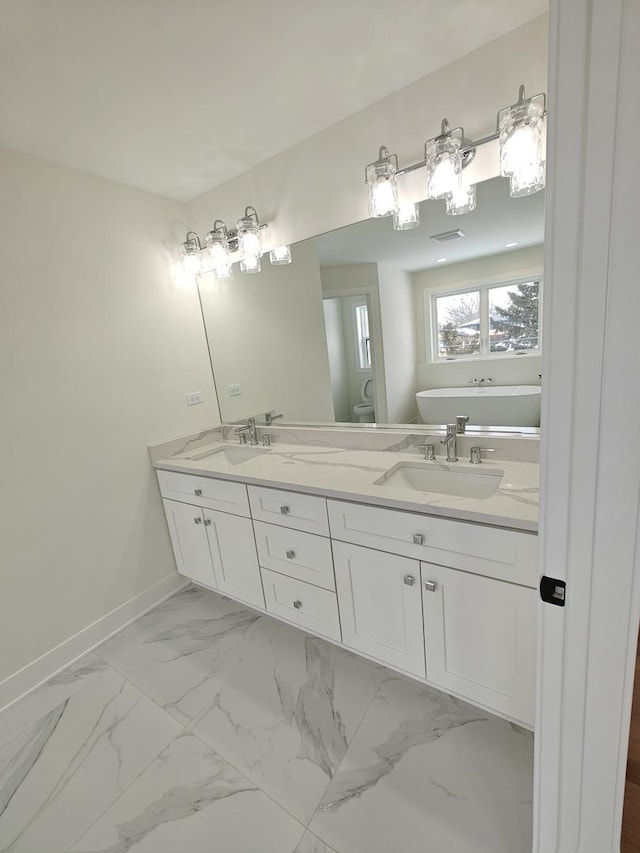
{"type": "Point", "coordinates": [249, 239]}
{"type": "Point", "coordinates": [462, 200]}
{"type": "Point", "coordinates": [191, 260]}
{"type": "Point", "coordinates": [250, 263]}
{"type": "Point", "coordinates": [224, 271]}
{"type": "Point", "coordinates": [383, 192]}
{"type": "Point", "coordinates": [281, 255]}
{"type": "Point", "coordinates": [444, 165]}
{"type": "Point", "coordinates": [406, 217]}
{"type": "Point", "coordinates": [216, 252]}
{"type": "Point", "coordinates": [522, 154]}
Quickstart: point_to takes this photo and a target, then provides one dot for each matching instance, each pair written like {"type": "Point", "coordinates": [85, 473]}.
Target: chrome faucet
{"type": "Point", "coordinates": [450, 441]}
{"type": "Point", "coordinates": [250, 428]}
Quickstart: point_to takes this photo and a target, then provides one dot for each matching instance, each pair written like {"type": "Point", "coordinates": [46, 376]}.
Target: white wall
{"type": "Point", "coordinates": [97, 350]}
{"type": "Point", "coordinates": [266, 334]}
{"type": "Point", "coordinates": [399, 338]}
{"type": "Point", "coordinates": [333, 320]}
{"type": "Point", "coordinates": [318, 185]}
{"type": "Point", "coordinates": [504, 370]}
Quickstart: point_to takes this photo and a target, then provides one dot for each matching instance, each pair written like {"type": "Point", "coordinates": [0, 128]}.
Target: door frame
{"type": "Point", "coordinates": [590, 465]}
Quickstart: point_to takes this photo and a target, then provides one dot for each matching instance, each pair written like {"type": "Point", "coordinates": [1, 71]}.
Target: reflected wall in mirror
{"type": "Point", "coordinates": [367, 318]}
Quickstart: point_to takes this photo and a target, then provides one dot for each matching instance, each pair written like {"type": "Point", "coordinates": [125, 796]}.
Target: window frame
{"type": "Point", "coordinates": [360, 345]}
{"type": "Point", "coordinates": [481, 287]}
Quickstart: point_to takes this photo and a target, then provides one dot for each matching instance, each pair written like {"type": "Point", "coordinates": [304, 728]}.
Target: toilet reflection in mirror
{"type": "Point", "coordinates": [349, 347]}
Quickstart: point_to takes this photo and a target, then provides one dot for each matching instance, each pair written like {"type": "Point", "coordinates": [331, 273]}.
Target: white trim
{"type": "Point", "coordinates": [31, 676]}
{"type": "Point", "coordinates": [591, 483]}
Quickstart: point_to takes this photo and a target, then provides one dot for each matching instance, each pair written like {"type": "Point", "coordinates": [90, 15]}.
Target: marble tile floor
{"type": "Point", "coordinates": [205, 727]}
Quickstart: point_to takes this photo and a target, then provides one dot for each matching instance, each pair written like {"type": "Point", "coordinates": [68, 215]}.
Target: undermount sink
{"type": "Point", "coordinates": [229, 455]}
{"type": "Point", "coordinates": [428, 477]}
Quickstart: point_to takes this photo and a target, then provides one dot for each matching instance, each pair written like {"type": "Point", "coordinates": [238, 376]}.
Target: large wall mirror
{"type": "Point", "coordinates": [366, 318]}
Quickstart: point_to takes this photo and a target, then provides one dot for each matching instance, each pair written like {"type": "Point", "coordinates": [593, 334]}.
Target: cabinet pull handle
{"type": "Point", "coordinates": [284, 509]}
{"type": "Point", "coordinates": [197, 520]}
{"type": "Point", "coordinates": [207, 522]}
{"type": "Point", "coordinates": [197, 492]}
{"type": "Point", "coordinates": [297, 604]}
{"type": "Point", "coordinates": [418, 539]}
{"type": "Point", "coordinates": [431, 586]}
{"type": "Point", "coordinates": [290, 555]}
{"type": "Point", "coordinates": [409, 580]}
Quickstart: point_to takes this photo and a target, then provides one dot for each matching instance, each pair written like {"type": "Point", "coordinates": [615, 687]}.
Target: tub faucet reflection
{"type": "Point", "coordinates": [450, 440]}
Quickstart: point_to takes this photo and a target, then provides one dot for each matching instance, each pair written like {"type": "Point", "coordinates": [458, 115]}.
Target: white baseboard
{"type": "Point", "coordinates": [15, 686]}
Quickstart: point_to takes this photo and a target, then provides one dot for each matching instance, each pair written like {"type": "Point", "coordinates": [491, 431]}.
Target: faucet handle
{"type": "Point", "coordinates": [476, 457]}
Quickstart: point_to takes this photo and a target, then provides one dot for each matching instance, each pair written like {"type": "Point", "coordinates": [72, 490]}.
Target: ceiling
{"type": "Point", "coordinates": [178, 96]}
{"type": "Point", "coordinates": [497, 220]}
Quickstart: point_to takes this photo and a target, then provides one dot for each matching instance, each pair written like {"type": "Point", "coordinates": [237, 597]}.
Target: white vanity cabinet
{"type": "Point", "coordinates": [213, 548]}
{"type": "Point", "coordinates": [451, 603]}
{"type": "Point", "coordinates": [381, 606]}
{"type": "Point", "coordinates": [190, 543]}
{"type": "Point", "coordinates": [480, 639]}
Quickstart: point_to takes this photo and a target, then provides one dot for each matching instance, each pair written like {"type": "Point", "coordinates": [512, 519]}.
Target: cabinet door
{"type": "Point", "coordinates": [480, 637]}
{"type": "Point", "coordinates": [189, 540]}
{"type": "Point", "coordinates": [380, 606]}
{"type": "Point", "coordinates": [235, 561]}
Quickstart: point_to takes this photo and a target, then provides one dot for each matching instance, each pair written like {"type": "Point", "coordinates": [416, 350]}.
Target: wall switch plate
{"type": "Point", "coordinates": [234, 390]}
{"type": "Point", "coordinates": [194, 398]}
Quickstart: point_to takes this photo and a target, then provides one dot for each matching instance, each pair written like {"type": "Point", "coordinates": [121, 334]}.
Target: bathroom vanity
{"type": "Point", "coordinates": [440, 586]}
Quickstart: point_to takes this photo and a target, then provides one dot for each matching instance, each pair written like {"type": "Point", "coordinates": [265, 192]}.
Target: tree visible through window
{"type": "Point", "coordinates": [488, 320]}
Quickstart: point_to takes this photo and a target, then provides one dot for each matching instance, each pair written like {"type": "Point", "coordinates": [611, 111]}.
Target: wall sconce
{"type": "Point", "coordinates": [281, 255]}
{"type": "Point", "coordinates": [381, 179]}
{"type": "Point", "coordinates": [520, 129]}
{"type": "Point", "coordinates": [191, 257]}
{"type": "Point", "coordinates": [223, 248]}
{"type": "Point", "coordinates": [406, 217]}
{"type": "Point", "coordinates": [522, 154]}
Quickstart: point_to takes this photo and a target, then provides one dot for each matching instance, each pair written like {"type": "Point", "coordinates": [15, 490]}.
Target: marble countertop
{"type": "Point", "coordinates": [350, 474]}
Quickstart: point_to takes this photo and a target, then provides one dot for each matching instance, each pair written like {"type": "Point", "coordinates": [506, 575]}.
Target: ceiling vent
{"type": "Point", "coordinates": [447, 236]}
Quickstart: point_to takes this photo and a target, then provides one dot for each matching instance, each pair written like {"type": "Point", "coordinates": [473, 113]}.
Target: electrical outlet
{"type": "Point", "coordinates": [234, 390]}
{"type": "Point", "coordinates": [194, 398]}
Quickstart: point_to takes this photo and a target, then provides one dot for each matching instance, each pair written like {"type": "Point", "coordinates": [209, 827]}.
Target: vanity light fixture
{"type": "Point", "coordinates": [191, 257]}
{"type": "Point", "coordinates": [223, 248]}
{"type": "Point", "coordinates": [461, 200]}
{"type": "Point", "coordinates": [281, 255]}
{"type": "Point", "coordinates": [380, 176]}
{"type": "Point", "coordinates": [443, 159]}
{"type": "Point", "coordinates": [520, 131]}
{"type": "Point", "coordinates": [215, 255]}
{"type": "Point", "coordinates": [522, 154]}
{"type": "Point", "coordinates": [406, 217]}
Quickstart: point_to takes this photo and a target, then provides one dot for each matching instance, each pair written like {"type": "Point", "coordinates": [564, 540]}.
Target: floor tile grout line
{"type": "Point", "coordinates": [123, 792]}
{"type": "Point", "coordinates": [340, 763]}
{"type": "Point", "coordinates": [253, 782]}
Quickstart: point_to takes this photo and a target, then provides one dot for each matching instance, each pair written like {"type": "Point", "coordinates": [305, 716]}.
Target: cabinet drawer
{"type": "Point", "coordinates": [295, 554]}
{"type": "Point", "coordinates": [289, 509]}
{"type": "Point", "coordinates": [312, 608]}
{"type": "Point", "coordinates": [504, 554]}
{"type": "Point", "coordinates": [204, 491]}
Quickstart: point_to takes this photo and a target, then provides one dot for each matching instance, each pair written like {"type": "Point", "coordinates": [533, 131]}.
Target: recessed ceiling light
{"type": "Point", "coordinates": [441, 260]}
{"type": "Point", "coordinates": [510, 245]}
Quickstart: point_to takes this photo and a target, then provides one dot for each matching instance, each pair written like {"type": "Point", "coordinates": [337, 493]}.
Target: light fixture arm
{"type": "Point", "coordinates": [193, 240]}
{"type": "Point", "coordinates": [251, 213]}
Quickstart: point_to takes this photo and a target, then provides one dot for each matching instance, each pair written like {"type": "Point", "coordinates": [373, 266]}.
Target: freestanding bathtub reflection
{"type": "Point", "coordinates": [494, 405]}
